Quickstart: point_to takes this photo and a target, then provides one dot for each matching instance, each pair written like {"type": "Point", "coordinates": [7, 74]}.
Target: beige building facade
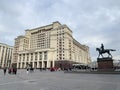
{"type": "Point", "coordinates": [49, 46]}
{"type": "Point", "coordinates": [5, 55]}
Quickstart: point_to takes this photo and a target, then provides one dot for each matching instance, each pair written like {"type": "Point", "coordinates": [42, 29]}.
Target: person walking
{"type": "Point", "coordinates": [4, 70]}
{"type": "Point", "coordinates": [27, 70]}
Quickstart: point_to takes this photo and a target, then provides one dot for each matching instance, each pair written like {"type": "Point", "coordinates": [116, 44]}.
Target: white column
{"type": "Point", "coordinates": [18, 61]}
{"type": "Point", "coordinates": [9, 59]}
{"type": "Point", "coordinates": [4, 57]}
{"type": "Point", "coordinates": [37, 56]}
{"type": "Point", "coordinates": [33, 59]}
{"type": "Point", "coordinates": [53, 63]}
{"type": "Point", "coordinates": [43, 56]}
{"type": "Point", "coordinates": [48, 62]}
{"type": "Point", "coordinates": [21, 60]}
{"type": "Point", "coordinates": [24, 60]}
{"type": "Point", "coordinates": [1, 53]}
{"type": "Point", "coordinates": [53, 60]}
{"type": "Point", "coordinates": [11, 56]}
{"type": "Point", "coordinates": [38, 60]}
{"type": "Point", "coordinates": [29, 58]}
{"type": "Point", "coordinates": [42, 59]}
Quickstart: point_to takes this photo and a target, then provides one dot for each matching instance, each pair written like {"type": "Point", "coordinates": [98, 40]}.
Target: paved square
{"type": "Point", "coordinates": [59, 80]}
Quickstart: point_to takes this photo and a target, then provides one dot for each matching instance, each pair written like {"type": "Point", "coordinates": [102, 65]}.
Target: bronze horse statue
{"type": "Point", "coordinates": [104, 51]}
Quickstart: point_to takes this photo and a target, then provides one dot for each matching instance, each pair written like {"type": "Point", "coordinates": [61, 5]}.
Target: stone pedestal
{"type": "Point", "coordinates": [105, 64]}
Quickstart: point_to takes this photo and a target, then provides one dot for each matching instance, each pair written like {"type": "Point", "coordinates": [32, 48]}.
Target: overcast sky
{"type": "Point", "coordinates": [92, 21]}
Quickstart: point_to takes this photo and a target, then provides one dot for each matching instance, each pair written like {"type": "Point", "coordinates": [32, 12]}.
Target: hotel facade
{"type": "Point", "coordinates": [49, 46]}
{"type": "Point", "coordinates": [5, 55]}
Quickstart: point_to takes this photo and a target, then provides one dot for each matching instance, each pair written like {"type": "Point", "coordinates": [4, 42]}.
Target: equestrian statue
{"type": "Point", "coordinates": [101, 51]}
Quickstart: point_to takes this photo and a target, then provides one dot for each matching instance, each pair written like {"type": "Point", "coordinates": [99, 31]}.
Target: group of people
{"type": "Point", "coordinates": [11, 70]}
{"type": "Point", "coordinates": [29, 70]}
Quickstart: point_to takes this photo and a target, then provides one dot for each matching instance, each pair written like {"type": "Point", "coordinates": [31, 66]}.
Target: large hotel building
{"type": "Point", "coordinates": [49, 46]}
{"type": "Point", "coordinates": [6, 52]}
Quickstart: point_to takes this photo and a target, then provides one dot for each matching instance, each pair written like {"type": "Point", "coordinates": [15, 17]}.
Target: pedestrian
{"type": "Point", "coordinates": [4, 70]}
{"type": "Point", "coordinates": [27, 70]}
{"type": "Point", "coordinates": [15, 70]}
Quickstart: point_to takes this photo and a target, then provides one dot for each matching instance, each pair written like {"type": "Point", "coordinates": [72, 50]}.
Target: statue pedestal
{"type": "Point", "coordinates": [105, 64]}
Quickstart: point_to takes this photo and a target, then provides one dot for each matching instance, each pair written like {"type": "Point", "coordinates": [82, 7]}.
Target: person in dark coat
{"type": "Point", "coordinates": [4, 70]}
{"type": "Point", "coordinates": [102, 47]}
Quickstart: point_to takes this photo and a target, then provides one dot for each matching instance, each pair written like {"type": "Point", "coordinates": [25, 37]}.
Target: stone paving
{"type": "Point", "coordinates": [59, 80]}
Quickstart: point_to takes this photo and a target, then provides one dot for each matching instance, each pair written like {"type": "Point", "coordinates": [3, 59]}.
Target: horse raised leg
{"type": "Point", "coordinates": [100, 55]}
{"type": "Point", "coordinates": [109, 54]}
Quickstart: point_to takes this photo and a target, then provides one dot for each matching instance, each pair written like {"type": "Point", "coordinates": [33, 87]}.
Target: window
{"type": "Point", "coordinates": [60, 58]}
{"type": "Point", "coordinates": [40, 55]}
{"type": "Point", "coordinates": [45, 55]}
{"type": "Point", "coordinates": [23, 57]}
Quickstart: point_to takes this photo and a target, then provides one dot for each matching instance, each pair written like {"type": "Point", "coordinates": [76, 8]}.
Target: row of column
{"type": "Point", "coordinates": [5, 56]}
{"type": "Point", "coordinates": [31, 57]}
{"type": "Point", "coordinates": [39, 64]}
{"type": "Point", "coordinates": [35, 59]}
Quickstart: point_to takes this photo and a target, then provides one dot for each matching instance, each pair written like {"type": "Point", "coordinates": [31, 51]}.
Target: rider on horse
{"type": "Point", "coordinates": [101, 51]}
{"type": "Point", "coordinates": [102, 48]}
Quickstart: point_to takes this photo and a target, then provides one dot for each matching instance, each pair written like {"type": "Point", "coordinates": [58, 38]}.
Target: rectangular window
{"type": "Point", "coordinates": [31, 56]}
{"type": "Point", "coordinates": [40, 55]}
{"type": "Point", "coordinates": [23, 57]}
{"type": "Point", "coordinates": [45, 55]}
